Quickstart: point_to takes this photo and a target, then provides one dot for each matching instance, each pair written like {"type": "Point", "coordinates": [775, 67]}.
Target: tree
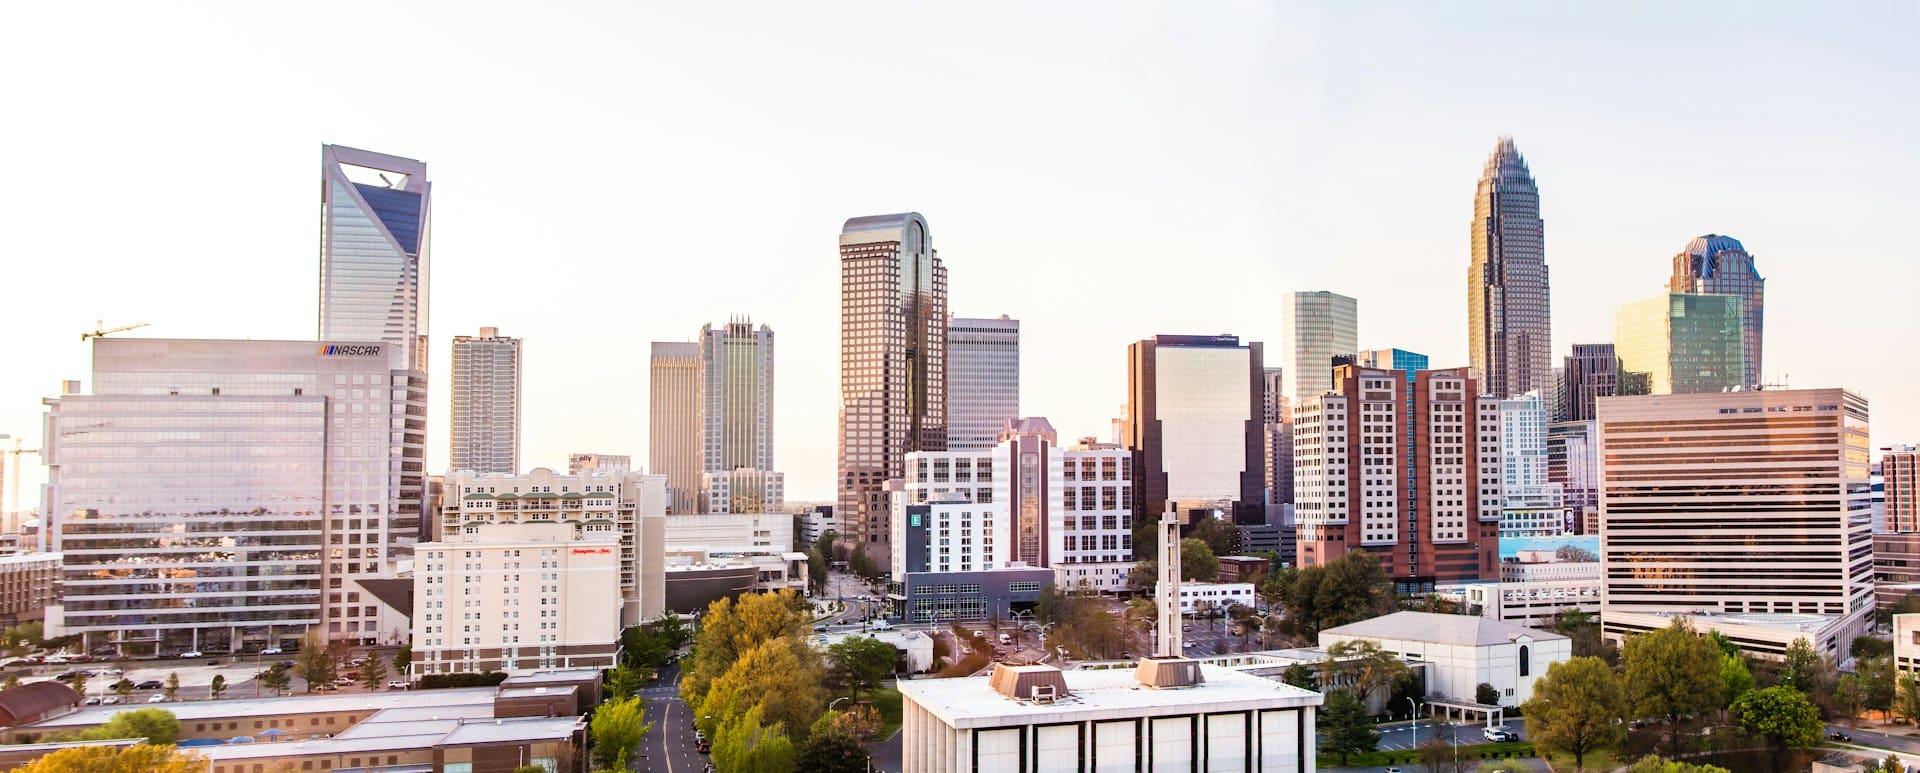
{"type": "Point", "coordinates": [403, 660]}
{"type": "Point", "coordinates": [530, 769]}
{"type": "Point", "coordinates": [1654, 764]}
{"type": "Point", "coordinates": [742, 743]}
{"type": "Point", "coordinates": [780, 678]}
{"type": "Point", "coordinates": [1197, 562]}
{"type": "Point", "coordinates": [1802, 669]}
{"type": "Point", "coordinates": [1782, 714]}
{"type": "Point", "coordinates": [1438, 756]}
{"type": "Point", "coordinates": [1584, 629]}
{"type": "Point", "coordinates": [616, 731]}
{"type": "Point", "coordinates": [122, 688]}
{"type": "Point", "coordinates": [1870, 646]}
{"type": "Point", "coordinates": [173, 686]}
{"type": "Point", "coordinates": [1316, 598]}
{"type": "Point", "coordinates": [1892, 764]}
{"type": "Point", "coordinates": [859, 662]}
{"type": "Point", "coordinates": [139, 758]}
{"type": "Point", "coordinates": [1486, 694]}
{"type": "Point", "coordinates": [830, 750]}
{"type": "Point", "coordinates": [1361, 666]}
{"type": "Point", "coordinates": [373, 674]}
{"type": "Point", "coordinates": [624, 682]}
{"type": "Point", "coordinates": [1221, 536]}
{"type": "Point", "coordinates": [1848, 696]}
{"type": "Point", "coordinates": [217, 688]}
{"type": "Point", "coordinates": [79, 683]}
{"type": "Point", "coordinates": [1575, 553]}
{"type": "Point", "coordinates": [1301, 675]}
{"type": "Point", "coordinates": [315, 663]}
{"type": "Point", "coordinates": [1576, 708]}
{"type": "Point", "coordinates": [276, 678]}
{"type": "Point", "coordinates": [1344, 723]}
{"type": "Point", "coordinates": [731, 627]}
{"type": "Point", "coordinates": [1735, 677]}
{"type": "Point", "coordinates": [13, 680]}
{"type": "Point", "coordinates": [1877, 675]}
{"type": "Point", "coordinates": [1671, 673]}
{"type": "Point", "coordinates": [158, 726]}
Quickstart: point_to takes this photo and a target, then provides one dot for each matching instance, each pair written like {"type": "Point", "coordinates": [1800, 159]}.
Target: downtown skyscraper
{"type": "Point", "coordinates": [893, 366]}
{"type": "Point", "coordinates": [485, 434]}
{"type": "Point", "coordinates": [374, 216]}
{"type": "Point", "coordinates": [1315, 327]}
{"type": "Point", "coordinates": [736, 420]}
{"type": "Point", "coordinates": [983, 380]}
{"type": "Point", "coordinates": [673, 422]}
{"type": "Point", "coordinates": [1719, 265]}
{"type": "Point", "coordinates": [1196, 409]}
{"type": "Point", "coordinates": [1509, 321]}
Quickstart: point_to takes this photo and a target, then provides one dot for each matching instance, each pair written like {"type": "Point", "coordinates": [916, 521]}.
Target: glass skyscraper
{"type": "Point", "coordinates": [1720, 265]}
{"type": "Point", "coordinates": [374, 214]}
{"type": "Point", "coordinates": [893, 366]}
{"type": "Point", "coordinates": [1315, 327]}
{"type": "Point", "coordinates": [1685, 343]}
{"type": "Point", "coordinates": [1509, 321]}
{"type": "Point", "coordinates": [485, 425]}
{"type": "Point", "coordinates": [983, 381]}
{"type": "Point", "coordinates": [1195, 406]}
{"type": "Point", "coordinates": [736, 385]}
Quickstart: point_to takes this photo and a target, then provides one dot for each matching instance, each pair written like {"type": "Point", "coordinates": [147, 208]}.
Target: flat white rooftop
{"type": "Point", "coordinates": [188, 711]}
{"type": "Point", "coordinates": [1097, 695]}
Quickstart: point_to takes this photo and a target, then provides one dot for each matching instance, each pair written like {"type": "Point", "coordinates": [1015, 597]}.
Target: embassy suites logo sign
{"type": "Point", "coordinates": [350, 350]}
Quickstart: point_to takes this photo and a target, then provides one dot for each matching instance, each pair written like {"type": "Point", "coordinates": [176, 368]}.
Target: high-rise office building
{"type": "Point", "coordinates": [1509, 321]}
{"type": "Point", "coordinates": [1194, 410]}
{"type": "Point", "coordinates": [1573, 466]}
{"type": "Point", "coordinates": [1896, 539]}
{"type": "Point", "coordinates": [893, 365]}
{"type": "Point", "coordinates": [1900, 469]}
{"type": "Point", "coordinates": [983, 380]}
{"type": "Point", "coordinates": [1683, 343]}
{"type": "Point", "coordinates": [374, 216]}
{"type": "Point", "coordinates": [1276, 417]}
{"type": "Point", "coordinates": [1738, 503]}
{"type": "Point", "coordinates": [1534, 505]}
{"type": "Point", "coordinates": [1719, 265]}
{"type": "Point", "coordinates": [673, 422]}
{"type": "Point", "coordinates": [1410, 472]}
{"type": "Point", "coordinates": [226, 495]}
{"type": "Point", "coordinates": [1591, 372]}
{"type": "Point", "coordinates": [1394, 359]}
{"type": "Point", "coordinates": [587, 464]}
{"type": "Point", "coordinates": [736, 407]}
{"type": "Point", "coordinates": [486, 403]}
{"type": "Point", "coordinates": [1315, 327]}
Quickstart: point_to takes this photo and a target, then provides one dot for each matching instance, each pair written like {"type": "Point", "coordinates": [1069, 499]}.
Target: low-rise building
{"type": "Point", "coordinates": [928, 597]}
{"type": "Point", "coordinates": [1039, 718]}
{"type": "Point", "coordinates": [1103, 577]}
{"type": "Point", "coordinates": [696, 578]}
{"type": "Point", "coordinates": [1463, 652]}
{"type": "Point", "coordinates": [1203, 597]}
{"type": "Point", "coordinates": [1760, 634]}
{"type": "Point", "coordinates": [915, 647]}
{"type": "Point", "coordinates": [518, 596]}
{"type": "Point", "coordinates": [1906, 643]}
{"type": "Point", "coordinates": [730, 533]}
{"type": "Point", "coordinates": [27, 586]}
{"type": "Point", "coordinates": [1247, 569]}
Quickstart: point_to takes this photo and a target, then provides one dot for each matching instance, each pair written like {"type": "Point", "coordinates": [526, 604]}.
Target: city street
{"type": "Point", "coordinates": [671, 746]}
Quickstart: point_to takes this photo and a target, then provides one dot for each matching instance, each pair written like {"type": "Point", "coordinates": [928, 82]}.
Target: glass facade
{"type": "Point", "coordinates": [736, 413]}
{"type": "Point", "coordinates": [1202, 403]}
{"type": "Point", "coordinates": [217, 495]}
{"type": "Point", "coordinates": [1509, 325]}
{"type": "Point", "coordinates": [1720, 265]}
{"type": "Point", "coordinates": [1315, 327]}
{"type": "Point", "coordinates": [374, 213]}
{"type": "Point", "coordinates": [983, 380]}
{"type": "Point", "coordinates": [1685, 343]}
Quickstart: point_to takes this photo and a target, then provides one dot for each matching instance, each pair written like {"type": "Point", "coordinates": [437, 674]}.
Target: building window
{"type": "Point", "coordinates": [1526, 663]}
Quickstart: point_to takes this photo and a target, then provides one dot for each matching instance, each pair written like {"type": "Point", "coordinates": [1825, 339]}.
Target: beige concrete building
{"type": "Point", "coordinates": [628, 506]}
{"type": "Point", "coordinates": [743, 490]}
{"type": "Point", "coordinates": [673, 422]}
{"type": "Point", "coordinates": [26, 586]}
{"type": "Point", "coordinates": [516, 597]}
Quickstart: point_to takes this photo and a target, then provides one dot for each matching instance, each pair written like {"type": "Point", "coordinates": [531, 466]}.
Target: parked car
{"type": "Point", "coordinates": [112, 671]}
{"type": "Point", "coordinates": [157, 698]}
{"type": "Point", "coordinates": [192, 654]}
{"type": "Point", "coordinates": [56, 660]}
{"type": "Point", "coordinates": [94, 700]}
{"type": "Point", "coordinates": [343, 681]}
{"type": "Point", "coordinates": [1498, 734]}
{"type": "Point", "coordinates": [270, 651]}
{"type": "Point", "coordinates": [396, 684]}
{"type": "Point", "coordinates": [109, 700]}
{"type": "Point", "coordinates": [704, 748]}
{"type": "Point", "coordinates": [819, 629]}
{"type": "Point", "coordinates": [150, 684]}
{"type": "Point", "coordinates": [1838, 735]}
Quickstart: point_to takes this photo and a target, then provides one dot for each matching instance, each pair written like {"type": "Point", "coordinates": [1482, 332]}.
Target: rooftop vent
{"type": "Point", "coordinates": [1040, 683]}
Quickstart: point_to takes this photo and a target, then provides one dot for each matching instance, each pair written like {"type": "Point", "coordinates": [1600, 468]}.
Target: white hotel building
{"type": "Point", "coordinates": [1745, 507]}
{"type": "Point", "coordinates": [1031, 502]}
{"type": "Point", "coordinates": [518, 596]}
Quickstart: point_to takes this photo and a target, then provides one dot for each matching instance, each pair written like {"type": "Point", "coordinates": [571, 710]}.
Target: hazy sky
{"type": "Point", "coordinates": [611, 174]}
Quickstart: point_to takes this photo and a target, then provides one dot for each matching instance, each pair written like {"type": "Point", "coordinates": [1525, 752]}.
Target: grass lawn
{"type": "Point", "coordinates": [1475, 752]}
{"type": "Point", "coordinates": [887, 701]}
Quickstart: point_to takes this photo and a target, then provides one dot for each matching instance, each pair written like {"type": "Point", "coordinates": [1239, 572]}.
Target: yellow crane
{"type": "Point", "coordinates": [13, 484]}
{"type": "Point", "coordinates": [100, 329]}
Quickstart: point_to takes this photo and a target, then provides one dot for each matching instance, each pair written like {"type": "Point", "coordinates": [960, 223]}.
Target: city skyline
{"type": "Point", "coordinates": [1780, 187]}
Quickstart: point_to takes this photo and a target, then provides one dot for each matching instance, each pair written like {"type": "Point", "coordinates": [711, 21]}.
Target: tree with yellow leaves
{"type": "Point", "coordinates": [138, 758]}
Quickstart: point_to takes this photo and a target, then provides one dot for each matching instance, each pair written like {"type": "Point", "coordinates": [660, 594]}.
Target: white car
{"type": "Point", "coordinates": [396, 684]}
{"type": "Point", "coordinates": [112, 671]}
{"type": "Point", "coordinates": [109, 700]}
{"type": "Point", "coordinates": [192, 654]}
{"type": "Point", "coordinates": [270, 651]}
{"type": "Point", "coordinates": [157, 699]}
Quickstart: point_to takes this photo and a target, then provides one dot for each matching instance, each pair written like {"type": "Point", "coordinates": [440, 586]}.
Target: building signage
{"type": "Point", "coordinates": [592, 551]}
{"type": "Point", "coordinates": [350, 350]}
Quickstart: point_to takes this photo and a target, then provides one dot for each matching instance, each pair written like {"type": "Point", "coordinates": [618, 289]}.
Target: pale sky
{"type": "Point", "coordinates": [606, 175]}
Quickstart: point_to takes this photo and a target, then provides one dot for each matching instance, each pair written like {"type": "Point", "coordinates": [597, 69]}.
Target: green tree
{"type": "Point", "coordinates": [1782, 714]}
{"type": "Point", "coordinates": [859, 663]}
{"type": "Point", "coordinates": [729, 629]}
{"type": "Point", "coordinates": [616, 731]}
{"type": "Point", "coordinates": [861, 564]}
{"type": "Point", "coordinates": [403, 660]}
{"type": "Point", "coordinates": [173, 686]}
{"type": "Point", "coordinates": [1486, 694]}
{"type": "Point", "coordinates": [1577, 708]}
{"type": "Point", "coordinates": [1848, 696]}
{"type": "Point", "coordinates": [123, 688]}
{"type": "Point", "coordinates": [217, 688]}
{"type": "Point", "coordinates": [373, 674]}
{"type": "Point", "coordinates": [1801, 669]}
{"type": "Point", "coordinates": [742, 743]}
{"type": "Point", "coordinates": [1877, 683]}
{"type": "Point", "coordinates": [13, 680]}
{"type": "Point", "coordinates": [1892, 764]}
{"type": "Point", "coordinates": [781, 678]}
{"type": "Point", "coordinates": [139, 758]}
{"type": "Point", "coordinates": [1583, 629]}
{"type": "Point", "coordinates": [530, 769]}
{"type": "Point", "coordinates": [1220, 535]}
{"type": "Point", "coordinates": [1345, 726]}
{"type": "Point", "coordinates": [276, 678]}
{"type": "Point", "coordinates": [315, 663]}
{"type": "Point", "coordinates": [1361, 666]}
{"type": "Point", "coordinates": [1671, 673]}
{"type": "Point", "coordinates": [1654, 764]}
{"type": "Point", "coordinates": [1197, 561]}
{"type": "Point", "coordinates": [1735, 677]}
{"type": "Point", "coordinates": [1348, 590]}
{"type": "Point", "coordinates": [79, 683]}
{"type": "Point", "coordinates": [158, 726]}
{"type": "Point", "coordinates": [1301, 675]}
{"type": "Point", "coordinates": [1870, 646]}
{"type": "Point", "coordinates": [830, 750]}
{"type": "Point", "coordinates": [624, 682]}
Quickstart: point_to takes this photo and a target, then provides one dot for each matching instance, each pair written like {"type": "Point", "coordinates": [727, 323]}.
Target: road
{"type": "Point", "coordinates": [1400, 737]}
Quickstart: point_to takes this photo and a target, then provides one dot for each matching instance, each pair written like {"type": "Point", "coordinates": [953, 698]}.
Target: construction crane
{"type": "Point", "coordinates": [100, 329]}
{"type": "Point", "coordinates": [13, 484]}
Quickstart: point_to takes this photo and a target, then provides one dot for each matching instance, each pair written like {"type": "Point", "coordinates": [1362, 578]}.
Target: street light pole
{"type": "Point", "coordinates": [1413, 710]}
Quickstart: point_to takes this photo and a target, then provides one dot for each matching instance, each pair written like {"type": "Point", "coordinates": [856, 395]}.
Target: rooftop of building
{"type": "Point", "coordinates": [1778, 621]}
{"type": "Point", "coordinates": [1459, 630]}
{"type": "Point", "coordinates": [1710, 245]}
{"type": "Point", "coordinates": [1109, 694]}
{"type": "Point", "coordinates": [187, 711]}
{"type": "Point", "coordinates": [29, 558]}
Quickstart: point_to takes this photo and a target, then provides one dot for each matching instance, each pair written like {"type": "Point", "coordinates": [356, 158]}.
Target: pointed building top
{"type": "Point", "coordinates": [1505, 160]}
